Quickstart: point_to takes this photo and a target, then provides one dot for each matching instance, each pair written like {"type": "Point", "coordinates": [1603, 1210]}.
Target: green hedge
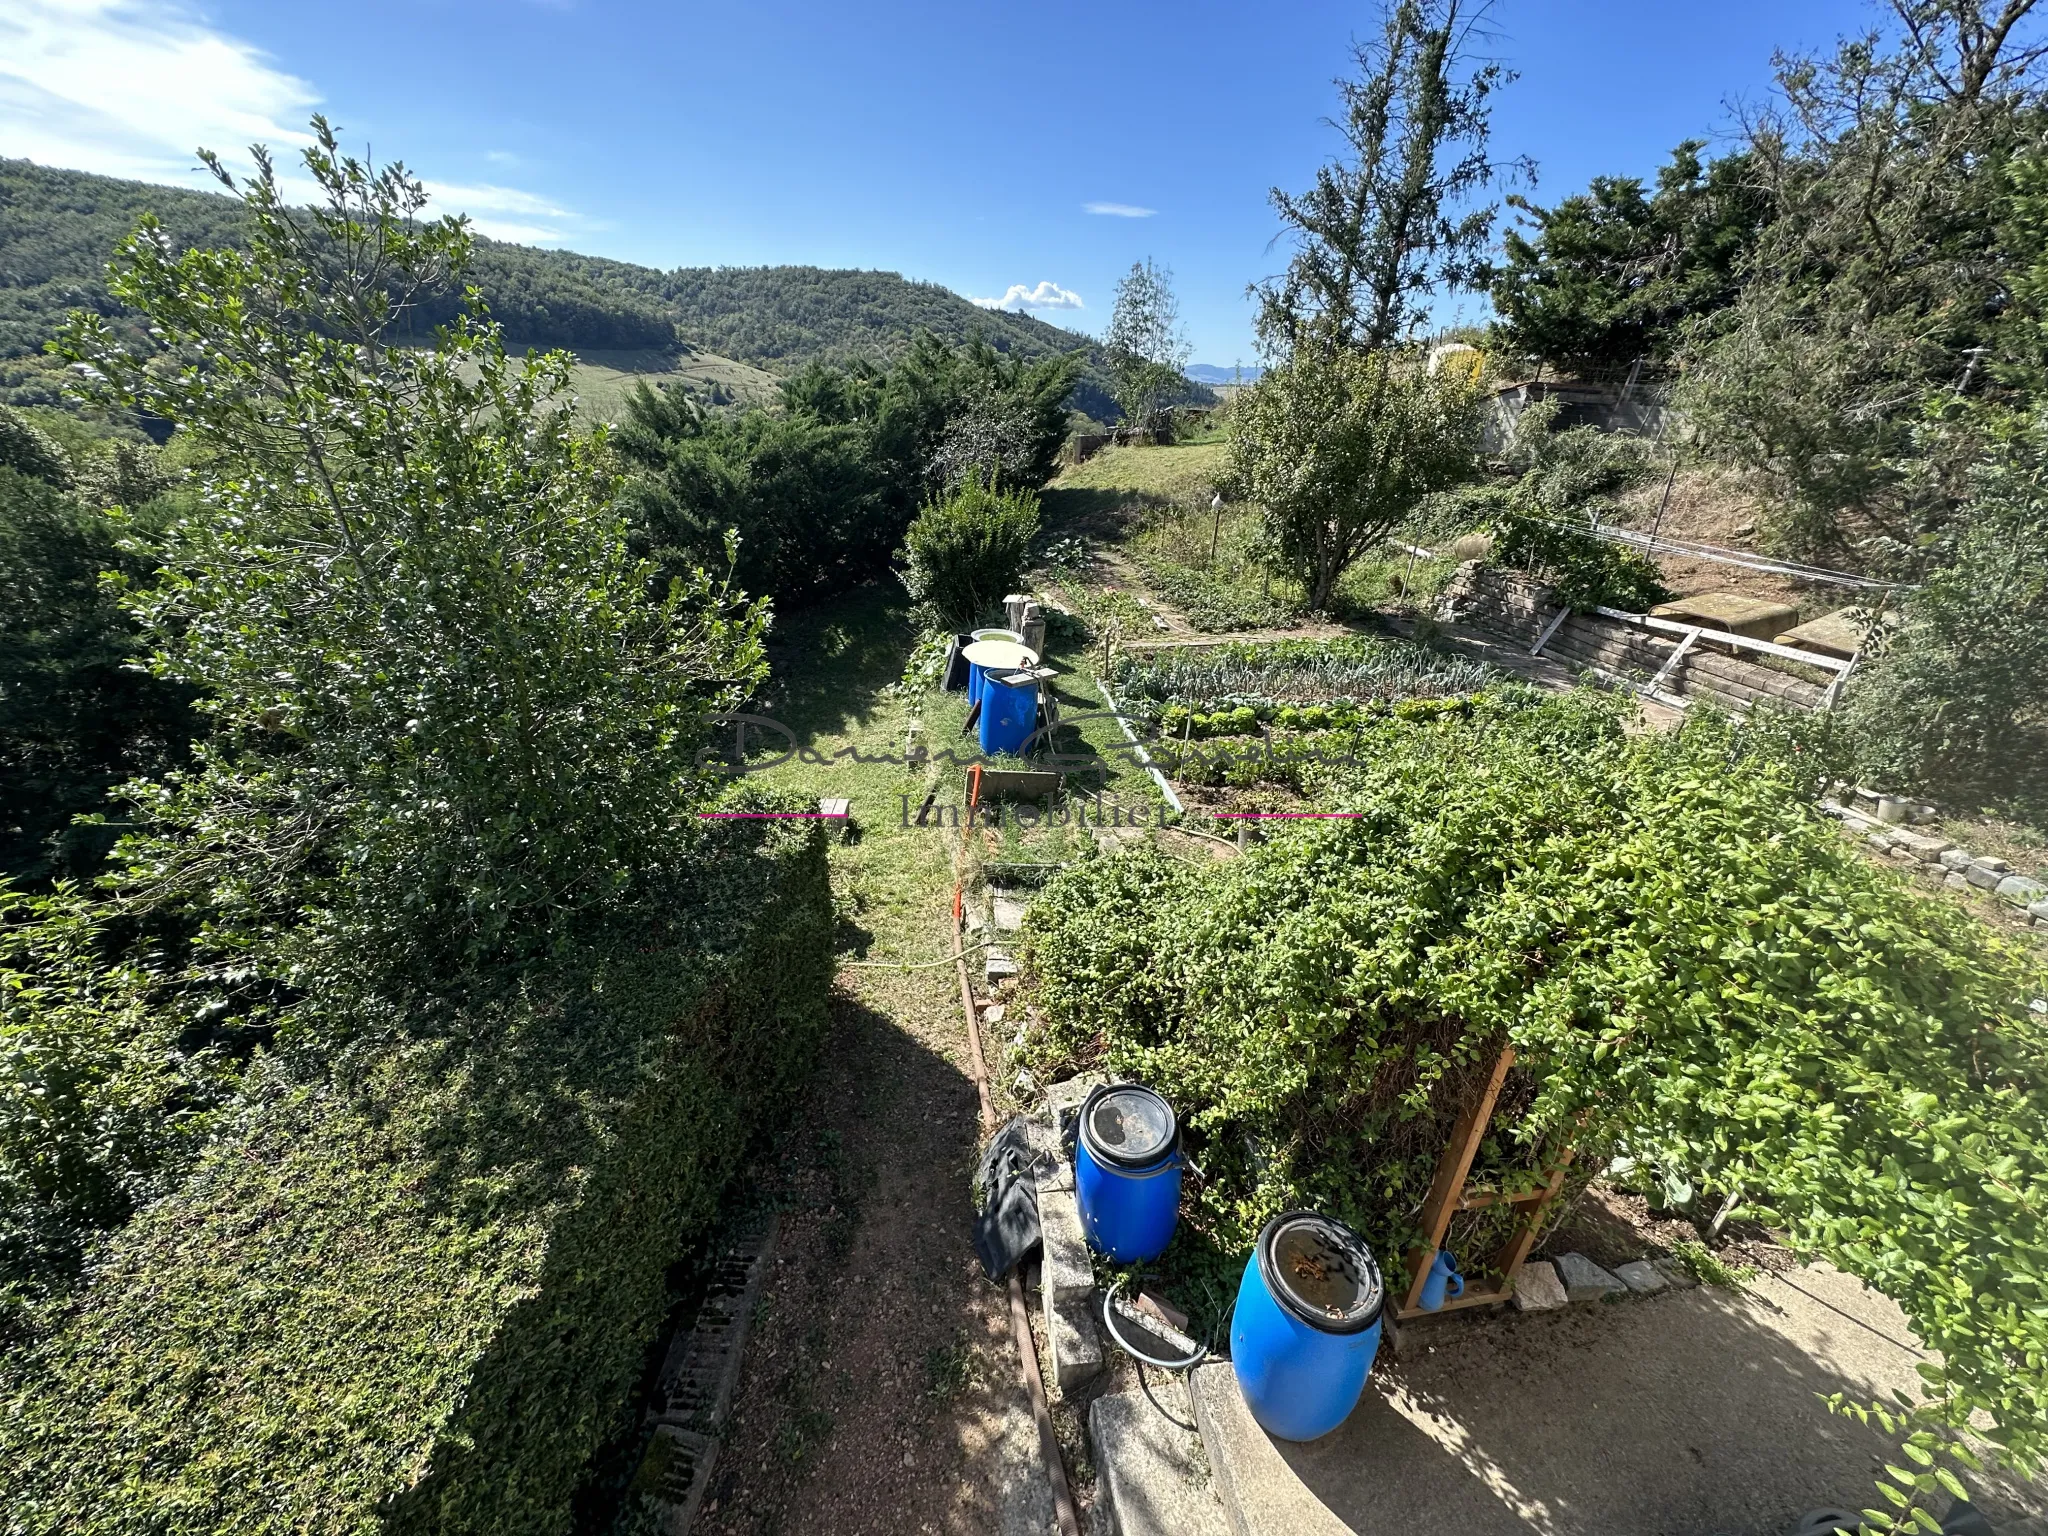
{"type": "Point", "coordinates": [414, 1291]}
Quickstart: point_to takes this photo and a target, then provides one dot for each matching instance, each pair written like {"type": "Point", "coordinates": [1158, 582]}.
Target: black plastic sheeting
{"type": "Point", "coordinates": [1006, 1188]}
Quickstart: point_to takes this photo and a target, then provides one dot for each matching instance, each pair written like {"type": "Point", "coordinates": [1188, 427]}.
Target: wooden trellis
{"type": "Point", "coordinates": [1447, 1197]}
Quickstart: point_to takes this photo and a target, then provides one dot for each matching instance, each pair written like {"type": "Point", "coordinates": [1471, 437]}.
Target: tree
{"type": "Point", "coordinates": [1611, 274]}
{"type": "Point", "coordinates": [1147, 348]}
{"type": "Point", "coordinates": [1953, 702]}
{"type": "Point", "coordinates": [451, 719]}
{"type": "Point", "coordinates": [1340, 446]}
{"type": "Point", "coordinates": [1876, 281]}
{"type": "Point", "coordinates": [1401, 218]}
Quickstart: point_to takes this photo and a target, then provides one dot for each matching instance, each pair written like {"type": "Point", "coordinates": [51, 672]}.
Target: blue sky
{"type": "Point", "coordinates": [1024, 152]}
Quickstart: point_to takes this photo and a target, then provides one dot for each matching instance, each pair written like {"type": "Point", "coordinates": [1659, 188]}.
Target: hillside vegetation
{"type": "Point", "coordinates": [57, 229]}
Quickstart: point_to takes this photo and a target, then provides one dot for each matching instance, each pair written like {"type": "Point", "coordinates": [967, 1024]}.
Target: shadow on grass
{"type": "Point", "coordinates": [832, 661]}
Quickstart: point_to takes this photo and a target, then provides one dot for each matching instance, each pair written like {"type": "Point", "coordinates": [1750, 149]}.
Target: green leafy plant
{"type": "Point", "coordinates": [1681, 951]}
{"type": "Point", "coordinates": [965, 553]}
{"type": "Point", "coordinates": [1339, 447]}
{"type": "Point", "coordinates": [450, 714]}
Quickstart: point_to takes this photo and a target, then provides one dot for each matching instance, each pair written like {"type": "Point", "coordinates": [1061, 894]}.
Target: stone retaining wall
{"type": "Point", "coordinates": [1519, 608]}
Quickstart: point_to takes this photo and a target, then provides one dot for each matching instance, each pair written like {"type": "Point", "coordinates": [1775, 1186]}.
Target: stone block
{"type": "Point", "coordinates": [1676, 1275]}
{"type": "Point", "coordinates": [1537, 1288]}
{"type": "Point", "coordinates": [2038, 910]}
{"type": "Point", "coordinates": [1067, 1271]}
{"type": "Point", "coordinates": [1838, 634]}
{"type": "Point", "coordinates": [2021, 891]}
{"type": "Point", "coordinates": [1154, 1471]}
{"type": "Point", "coordinates": [1642, 1277]}
{"type": "Point", "coordinates": [1063, 1101]}
{"type": "Point", "coordinates": [1586, 1281]}
{"type": "Point", "coordinates": [1955, 858]}
{"type": "Point", "coordinates": [1995, 866]}
{"type": "Point", "coordinates": [1006, 912]}
{"type": "Point", "coordinates": [1922, 845]}
{"type": "Point", "coordinates": [1073, 1340]}
{"type": "Point", "coordinates": [1956, 881]}
{"type": "Point", "coordinates": [1983, 879]}
{"type": "Point", "coordinates": [1881, 841]}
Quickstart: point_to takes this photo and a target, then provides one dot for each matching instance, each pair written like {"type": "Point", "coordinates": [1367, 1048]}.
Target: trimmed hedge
{"type": "Point", "coordinates": [413, 1291]}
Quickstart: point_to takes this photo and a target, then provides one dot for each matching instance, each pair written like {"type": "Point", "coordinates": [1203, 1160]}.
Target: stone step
{"type": "Point", "coordinates": [1153, 1472]}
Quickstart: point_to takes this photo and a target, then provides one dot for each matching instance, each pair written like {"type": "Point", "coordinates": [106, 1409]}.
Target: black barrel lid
{"type": "Point", "coordinates": [1321, 1271]}
{"type": "Point", "coordinates": [1128, 1126]}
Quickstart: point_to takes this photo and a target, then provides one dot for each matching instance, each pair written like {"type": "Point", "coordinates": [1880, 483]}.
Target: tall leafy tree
{"type": "Point", "coordinates": [451, 718]}
{"type": "Point", "coordinates": [1147, 347]}
{"type": "Point", "coordinates": [1339, 446]}
{"type": "Point", "coordinates": [1609, 275]}
{"type": "Point", "coordinates": [1404, 212]}
{"type": "Point", "coordinates": [1878, 277]}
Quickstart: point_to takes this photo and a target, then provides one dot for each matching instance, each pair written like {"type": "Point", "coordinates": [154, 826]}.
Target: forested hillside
{"type": "Point", "coordinates": [58, 227]}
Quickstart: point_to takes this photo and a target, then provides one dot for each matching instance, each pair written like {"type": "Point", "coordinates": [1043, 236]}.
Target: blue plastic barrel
{"type": "Point", "coordinates": [1127, 1172]}
{"type": "Point", "coordinates": [1307, 1325]}
{"type": "Point", "coordinates": [1009, 711]}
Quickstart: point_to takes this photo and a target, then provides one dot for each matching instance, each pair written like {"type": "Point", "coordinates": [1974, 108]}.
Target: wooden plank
{"type": "Point", "coordinates": [1510, 1259]}
{"type": "Point", "coordinates": [1451, 1170]}
{"type": "Point", "coordinates": [1549, 630]}
{"type": "Point", "coordinates": [1729, 637]}
{"type": "Point", "coordinates": [1480, 1295]}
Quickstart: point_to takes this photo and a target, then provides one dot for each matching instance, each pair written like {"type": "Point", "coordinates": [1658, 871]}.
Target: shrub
{"type": "Point", "coordinates": [77, 714]}
{"type": "Point", "coordinates": [412, 1289]}
{"type": "Point", "coordinates": [1680, 950]}
{"type": "Point", "coordinates": [965, 553]}
{"type": "Point", "coordinates": [1954, 703]}
{"type": "Point", "coordinates": [451, 714]}
{"type": "Point", "coordinates": [1583, 569]}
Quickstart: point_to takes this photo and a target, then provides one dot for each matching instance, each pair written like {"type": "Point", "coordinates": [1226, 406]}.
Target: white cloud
{"type": "Point", "coordinates": [129, 88]}
{"type": "Point", "coordinates": [481, 202]}
{"type": "Point", "coordinates": [132, 87]}
{"type": "Point", "coordinates": [1119, 210]}
{"type": "Point", "coordinates": [1047, 295]}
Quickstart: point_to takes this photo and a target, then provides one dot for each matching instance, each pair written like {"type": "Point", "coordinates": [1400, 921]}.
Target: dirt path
{"type": "Point", "coordinates": [880, 1389]}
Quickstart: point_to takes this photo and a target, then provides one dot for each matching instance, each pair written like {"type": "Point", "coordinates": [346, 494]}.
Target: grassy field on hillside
{"type": "Point", "coordinates": [602, 380]}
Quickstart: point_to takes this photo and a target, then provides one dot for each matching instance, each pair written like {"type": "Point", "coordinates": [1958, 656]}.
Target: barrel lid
{"type": "Point", "coordinates": [1128, 1126]}
{"type": "Point", "coordinates": [1321, 1271]}
{"type": "Point", "coordinates": [1010, 635]}
{"type": "Point", "coordinates": [1000, 655]}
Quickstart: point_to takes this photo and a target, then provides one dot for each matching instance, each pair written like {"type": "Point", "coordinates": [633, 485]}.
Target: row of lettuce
{"type": "Point", "coordinates": [353, 1116]}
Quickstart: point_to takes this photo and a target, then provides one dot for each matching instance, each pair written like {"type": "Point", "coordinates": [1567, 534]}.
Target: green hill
{"type": "Point", "coordinates": [700, 324]}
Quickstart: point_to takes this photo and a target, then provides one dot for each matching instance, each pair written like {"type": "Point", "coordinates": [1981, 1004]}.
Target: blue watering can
{"type": "Point", "coordinates": [1443, 1278]}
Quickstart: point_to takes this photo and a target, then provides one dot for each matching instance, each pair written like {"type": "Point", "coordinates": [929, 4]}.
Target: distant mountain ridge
{"type": "Point", "coordinates": [1209, 373]}
{"type": "Point", "coordinates": [57, 229]}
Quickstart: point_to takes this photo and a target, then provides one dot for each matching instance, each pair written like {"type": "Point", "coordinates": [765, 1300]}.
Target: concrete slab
{"type": "Point", "coordinates": [1018, 1486]}
{"type": "Point", "coordinates": [1073, 1339]}
{"type": "Point", "coordinates": [1752, 616]}
{"type": "Point", "coordinates": [1690, 1415]}
{"type": "Point", "coordinates": [1642, 1277]}
{"type": "Point", "coordinates": [1067, 1269]}
{"type": "Point", "coordinates": [1584, 1280]}
{"type": "Point", "coordinates": [1007, 911]}
{"type": "Point", "coordinates": [1832, 634]}
{"type": "Point", "coordinates": [1154, 1473]}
